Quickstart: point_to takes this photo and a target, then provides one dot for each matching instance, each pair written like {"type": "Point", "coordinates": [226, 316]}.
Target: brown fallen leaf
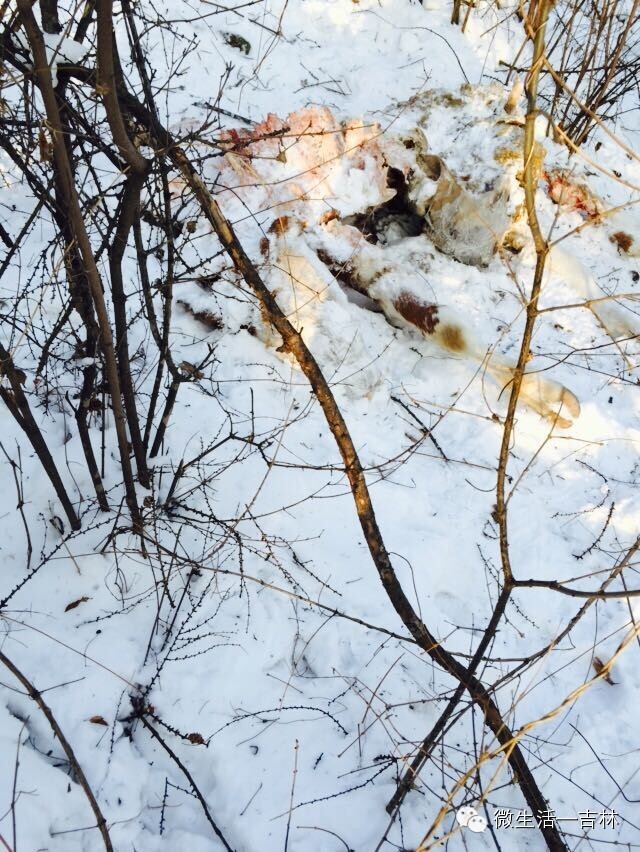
{"type": "Point", "coordinates": [599, 668]}
{"type": "Point", "coordinates": [329, 216]}
{"type": "Point", "coordinates": [514, 96]}
{"type": "Point", "coordinates": [74, 604]}
{"type": "Point", "coordinates": [196, 739]}
{"type": "Point", "coordinates": [191, 370]}
{"type": "Point", "coordinates": [45, 146]}
{"type": "Point", "coordinates": [99, 720]}
{"type": "Point", "coordinates": [623, 240]}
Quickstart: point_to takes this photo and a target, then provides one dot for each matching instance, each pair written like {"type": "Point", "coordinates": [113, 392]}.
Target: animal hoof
{"type": "Point", "coordinates": [551, 400]}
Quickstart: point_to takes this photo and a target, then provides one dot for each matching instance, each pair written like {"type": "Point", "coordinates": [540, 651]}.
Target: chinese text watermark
{"type": "Point", "coordinates": [469, 818]}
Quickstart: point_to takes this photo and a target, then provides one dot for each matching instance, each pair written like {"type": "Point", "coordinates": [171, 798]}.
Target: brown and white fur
{"type": "Point", "coordinates": [303, 264]}
{"type": "Point", "coordinates": [399, 294]}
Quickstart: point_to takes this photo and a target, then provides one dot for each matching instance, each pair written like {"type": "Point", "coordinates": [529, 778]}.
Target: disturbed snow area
{"type": "Point", "coordinates": [270, 682]}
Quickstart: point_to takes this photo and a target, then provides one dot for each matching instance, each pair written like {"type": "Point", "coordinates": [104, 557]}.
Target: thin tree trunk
{"type": "Point", "coordinates": [128, 211]}
{"type": "Point", "coordinates": [18, 405]}
{"type": "Point", "coordinates": [43, 75]}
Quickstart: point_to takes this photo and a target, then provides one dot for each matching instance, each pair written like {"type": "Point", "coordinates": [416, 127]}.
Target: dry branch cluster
{"type": "Point", "coordinates": [592, 60]}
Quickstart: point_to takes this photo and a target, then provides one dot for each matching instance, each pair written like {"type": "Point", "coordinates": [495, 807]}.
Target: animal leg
{"type": "Point", "coordinates": [396, 290]}
{"type": "Point", "coordinates": [614, 319]}
{"type": "Point", "coordinates": [550, 399]}
{"type": "Point", "coordinates": [442, 326]}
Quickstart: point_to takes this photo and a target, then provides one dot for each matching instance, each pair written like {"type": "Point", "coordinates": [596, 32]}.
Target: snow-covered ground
{"type": "Point", "coordinates": [256, 628]}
